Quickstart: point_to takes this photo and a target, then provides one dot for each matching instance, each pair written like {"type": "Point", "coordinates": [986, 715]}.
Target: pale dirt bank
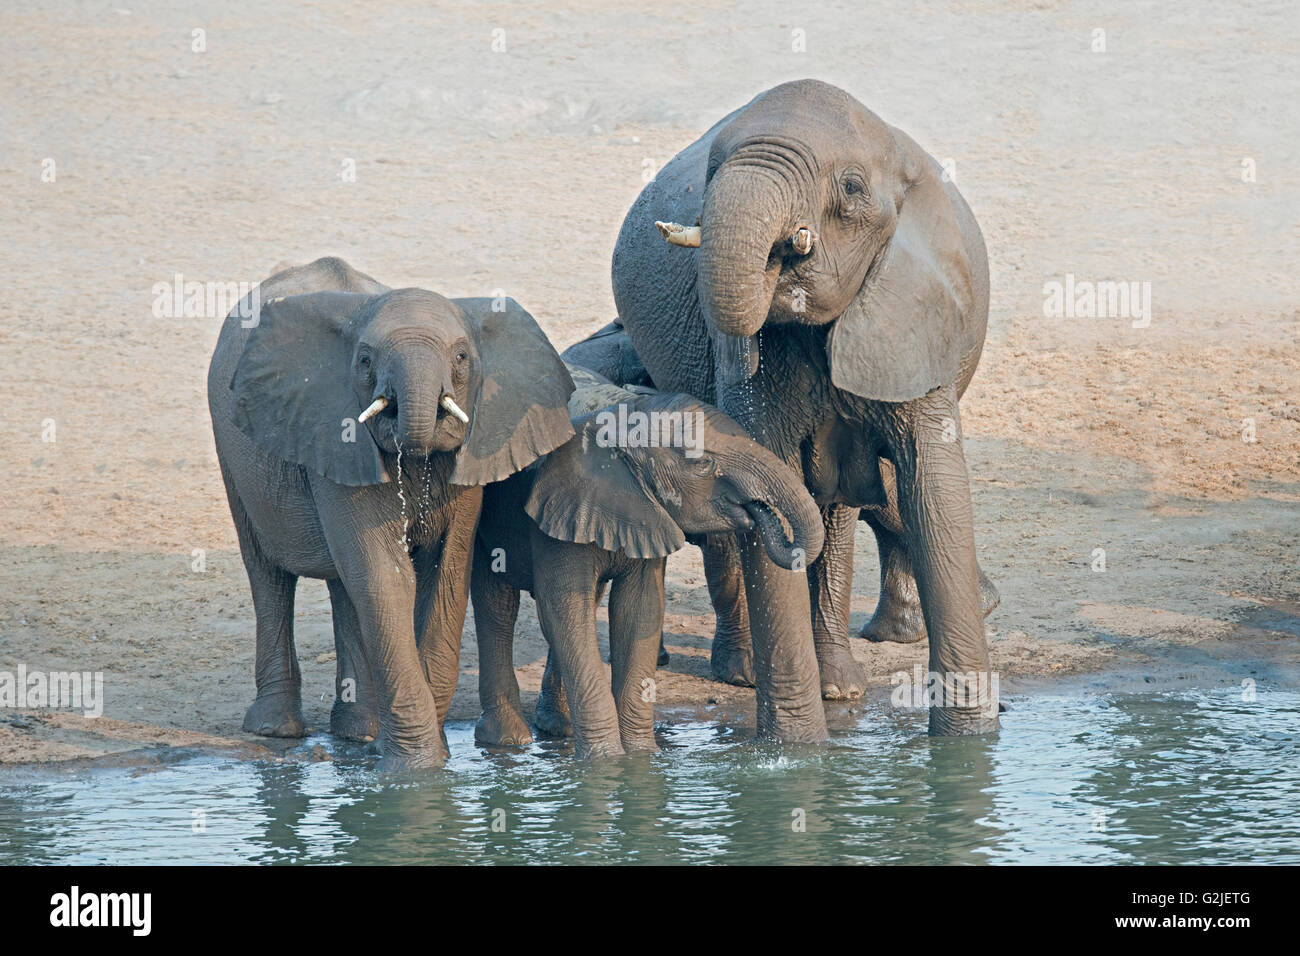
{"type": "Point", "coordinates": [478, 170]}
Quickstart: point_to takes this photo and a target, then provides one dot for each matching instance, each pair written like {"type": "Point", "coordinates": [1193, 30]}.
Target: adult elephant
{"type": "Point", "coordinates": [831, 295]}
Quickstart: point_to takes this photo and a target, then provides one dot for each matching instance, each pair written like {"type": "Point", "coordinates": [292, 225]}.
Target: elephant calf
{"type": "Point", "coordinates": [356, 426]}
{"type": "Point", "coordinates": [608, 507]}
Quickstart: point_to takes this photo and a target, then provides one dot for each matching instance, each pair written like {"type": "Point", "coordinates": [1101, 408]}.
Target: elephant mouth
{"type": "Point", "coordinates": [394, 434]}
{"type": "Point", "coordinates": [771, 528]}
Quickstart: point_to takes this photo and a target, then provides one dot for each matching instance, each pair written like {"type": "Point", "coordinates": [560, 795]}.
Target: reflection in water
{"type": "Point", "coordinates": [1192, 777]}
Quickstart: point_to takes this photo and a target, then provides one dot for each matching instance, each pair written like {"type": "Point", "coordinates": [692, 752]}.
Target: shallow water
{"type": "Point", "coordinates": [1188, 777]}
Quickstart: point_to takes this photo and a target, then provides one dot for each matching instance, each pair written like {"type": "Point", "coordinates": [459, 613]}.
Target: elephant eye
{"type": "Point", "coordinates": [461, 356]}
{"type": "Point", "coordinates": [853, 186]}
{"type": "Point", "coordinates": [364, 360]}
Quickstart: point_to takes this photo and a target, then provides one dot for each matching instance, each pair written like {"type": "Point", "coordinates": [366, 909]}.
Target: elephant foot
{"type": "Point", "coordinates": [732, 660]}
{"type": "Point", "coordinates": [843, 678]}
{"type": "Point", "coordinates": [421, 750]}
{"type": "Point", "coordinates": [662, 660]}
{"type": "Point", "coordinates": [641, 743]}
{"type": "Point", "coordinates": [350, 721]}
{"type": "Point", "coordinates": [430, 758]}
{"type": "Point", "coordinates": [895, 621]}
{"type": "Point", "coordinates": [502, 726]}
{"type": "Point", "coordinates": [790, 724]}
{"type": "Point", "coordinates": [276, 715]}
{"type": "Point", "coordinates": [552, 717]}
{"type": "Point", "coordinates": [900, 621]}
{"type": "Point", "coordinates": [961, 722]}
{"type": "Point", "coordinates": [598, 748]}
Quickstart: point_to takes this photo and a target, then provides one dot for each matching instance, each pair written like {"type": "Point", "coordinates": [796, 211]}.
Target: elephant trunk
{"type": "Point", "coordinates": [773, 500]}
{"type": "Point", "coordinates": [745, 223]}
{"type": "Point", "coordinates": [417, 394]}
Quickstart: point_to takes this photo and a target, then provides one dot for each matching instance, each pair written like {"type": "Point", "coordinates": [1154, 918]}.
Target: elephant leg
{"type": "Point", "coordinates": [496, 607]}
{"type": "Point", "coordinates": [787, 682]}
{"type": "Point", "coordinates": [376, 571]}
{"type": "Point", "coordinates": [636, 610]}
{"type": "Point", "coordinates": [732, 657]}
{"type": "Point", "coordinates": [353, 716]}
{"type": "Point", "coordinates": [935, 508]}
{"type": "Point", "coordinates": [277, 709]}
{"type": "Point", "coordinates": [552, 717]}
{"type": "Point", "coordinates": [662, 658]}
{"type": "Point", "coordinates": [830, 590]}
{"type": "Point", "coordinates": [564, 581]}
{"type": "Point", "coordinates": [898, 617]}
{"type": "Point", "coordinates": [442, 589]}
{"type": "Point", "coordinates": [410, 735]}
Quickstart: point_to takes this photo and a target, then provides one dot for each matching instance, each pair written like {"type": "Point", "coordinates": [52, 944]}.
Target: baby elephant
{"type": "Point", "coordinates": [356, 426]}
{"type": "Point", "coordinates": [643, 471]}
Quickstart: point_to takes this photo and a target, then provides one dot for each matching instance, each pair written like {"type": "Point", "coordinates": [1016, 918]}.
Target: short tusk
{"type": "Point", "coordinates": [679, 235]}
{"type": "Point", "coordinates": [451, 406]}
{"type": "Point", "coordinates": [802, 242]}
{"type": "Point", "coordinates": [375, 407]}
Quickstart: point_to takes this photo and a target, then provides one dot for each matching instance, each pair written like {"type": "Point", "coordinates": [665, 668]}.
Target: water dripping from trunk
{"type": "Point", "coordinates": [401, 497]}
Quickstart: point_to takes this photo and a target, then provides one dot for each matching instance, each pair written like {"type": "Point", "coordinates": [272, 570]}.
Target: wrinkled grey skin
{"type": "Point", "coordinates": [587, 516]}
{"type": "Point", "coordinates": [315, 494]}
{"type": "Point", "coordinates": [608, 352]}
{"type": "Point", "coordinates": [834, 358]}
{"type": "Point", "coordinates": [898, 617]}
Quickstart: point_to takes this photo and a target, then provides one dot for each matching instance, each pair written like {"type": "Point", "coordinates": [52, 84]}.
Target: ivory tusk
{"type": "Point", "coordinates": [375, 407]}
{"type": "Point", "coordinates": [802, 242]}
{"type": "Point", "coordinates": [679, 235]}
{"type": "Point", "coordinates": [449, 403]}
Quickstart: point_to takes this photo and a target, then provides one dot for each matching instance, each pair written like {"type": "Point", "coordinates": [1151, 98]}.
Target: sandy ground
{"type": "Point", "coordinates": [478, 170]}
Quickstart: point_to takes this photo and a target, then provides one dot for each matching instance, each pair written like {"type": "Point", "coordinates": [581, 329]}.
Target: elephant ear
{"type": "Point", "coordinates": [292, 387]}
{"type": "Point", "coordinates": [588, 494]}
{"type": "Point", "coordinates": [912, 322]}
{"type": "Point", "coordinates": [521, 410]}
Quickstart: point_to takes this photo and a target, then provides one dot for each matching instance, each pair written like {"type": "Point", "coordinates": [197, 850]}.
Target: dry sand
{"type": "Point", "coordinates": [478, 170]}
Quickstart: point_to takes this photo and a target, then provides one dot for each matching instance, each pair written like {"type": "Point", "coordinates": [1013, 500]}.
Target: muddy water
{"type": "Point", "coordinates": [1190, 777]}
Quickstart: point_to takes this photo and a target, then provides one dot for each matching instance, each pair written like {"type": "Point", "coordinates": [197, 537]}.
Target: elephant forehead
{"type": "Point", "coordinates": [820, 120]}
{"type": "Point", "coordinates": [406, 308]}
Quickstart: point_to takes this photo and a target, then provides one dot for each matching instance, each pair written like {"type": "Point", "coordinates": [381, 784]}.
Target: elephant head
{"type": "Point", "coordinates": [815, 211]}
{"type": "Point", "coordinates": [335, 380]}
{"type": "Point", "coordinates": [649, 468]}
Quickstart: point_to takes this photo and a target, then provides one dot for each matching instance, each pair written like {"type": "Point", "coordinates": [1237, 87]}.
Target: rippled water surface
{"type": "Point", "coordinates": [1191, 777]}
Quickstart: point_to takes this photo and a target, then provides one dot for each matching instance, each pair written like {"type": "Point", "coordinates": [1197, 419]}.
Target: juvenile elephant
{"type": "Point", "coordinates": [356, 426]}
{"type": "Point", "coordinates": [608, 507]}
{"type": "Point", "coordinates": [898, 618]}
{"type": "Point", "coordinates": [823, 283]}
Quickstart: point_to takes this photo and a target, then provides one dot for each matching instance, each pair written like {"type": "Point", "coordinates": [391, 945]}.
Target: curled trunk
{"type": "Point", "coordinates": [745, 217]}
{"type": "Point", "coordinates": [802, 545]}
